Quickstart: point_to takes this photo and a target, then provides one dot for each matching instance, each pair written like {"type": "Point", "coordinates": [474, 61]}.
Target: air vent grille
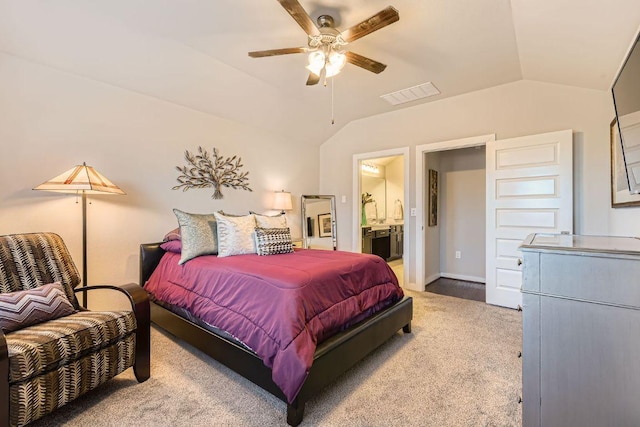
{"type": "Point", "coordinates": [411, 94]}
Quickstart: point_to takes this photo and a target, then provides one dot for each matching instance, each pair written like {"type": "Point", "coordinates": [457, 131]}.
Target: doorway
{"type": "Point", "coordinates": [428, 238]}
{"type": "Point", "coordinates": [380, 189]}
{"type": "Point", "coordinates": [455, 232]}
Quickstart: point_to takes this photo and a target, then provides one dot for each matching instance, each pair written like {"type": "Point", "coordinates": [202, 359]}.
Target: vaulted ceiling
{"type": "Point", "coordinates": [194, 52]}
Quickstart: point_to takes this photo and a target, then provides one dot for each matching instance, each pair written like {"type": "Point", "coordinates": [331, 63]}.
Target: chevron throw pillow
{"type": "Point", "coordinates": [25, 308]}
{"type": "Point", "coordinates": [272, 241]}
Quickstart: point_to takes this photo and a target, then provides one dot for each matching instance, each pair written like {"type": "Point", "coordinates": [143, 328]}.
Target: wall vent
{"type": "Point", "coordinates": [411, 94]}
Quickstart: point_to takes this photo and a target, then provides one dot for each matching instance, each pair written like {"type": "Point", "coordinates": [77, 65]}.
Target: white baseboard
{"type": "Point", "coordinates": [431, 279]}
{"type": "Point", "coordinates": [413, 287]}
{"type": "Point", "coordinates": [463, 277]}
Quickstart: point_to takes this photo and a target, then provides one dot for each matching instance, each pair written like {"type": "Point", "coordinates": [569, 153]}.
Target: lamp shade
{"type": "Point", "coordinates": [282, 201]}
{"type": "Point", "coordinates": [81, 178]}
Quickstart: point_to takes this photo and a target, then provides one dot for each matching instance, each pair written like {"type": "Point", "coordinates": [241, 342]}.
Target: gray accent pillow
{"type": "Point", "coordinates": [235, 234]}
{"type": "Point", "coordinates": [198, 233]}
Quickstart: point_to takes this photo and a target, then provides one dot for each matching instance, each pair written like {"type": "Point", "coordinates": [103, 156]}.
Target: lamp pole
{"type": "Point", "coordinates": [84, 248]}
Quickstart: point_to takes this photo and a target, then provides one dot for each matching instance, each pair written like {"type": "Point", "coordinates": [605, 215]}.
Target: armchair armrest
{"type": "Point", "coordinates": [136, 295]}
{"type": "Point", "coordinates": [139, 299]}
{"type": "Point", "coordinates": [4, 380]}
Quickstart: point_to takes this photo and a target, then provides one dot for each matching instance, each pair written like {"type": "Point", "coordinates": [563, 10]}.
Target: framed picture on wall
{"type": "Point", "coordinates": [621, 197]}
{"type": "Point", "coordinates": [433, 198]}
{"type": "Point", "coordinates": [324, 225]}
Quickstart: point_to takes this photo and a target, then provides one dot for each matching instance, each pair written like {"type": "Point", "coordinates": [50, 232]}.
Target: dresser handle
{"type": "Point", "coordinates": [519, 399]}
{"type": "Point", "coordinates": [519, 261]}
{"type": "Point", "coordinates": [519, 354]}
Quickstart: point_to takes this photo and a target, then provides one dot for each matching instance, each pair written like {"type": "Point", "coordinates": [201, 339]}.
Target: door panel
{"type": "Point", "coordinates": [527, 156]}
{"type": "Point", "coordinates": [526, 187]}
{"type": "Point", "coordinates": [529, 190]}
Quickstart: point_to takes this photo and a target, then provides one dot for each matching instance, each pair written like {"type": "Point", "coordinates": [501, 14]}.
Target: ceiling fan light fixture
{"type": "Point", "coordinates": [333, 63]}
{"type": "Point", "coordinates": [337, 60]}
{"type": "Point", "coordinates": [316, 62]}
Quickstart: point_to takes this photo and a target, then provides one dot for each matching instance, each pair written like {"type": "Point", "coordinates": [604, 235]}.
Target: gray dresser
{"type": "Point", "coordinates": [581, 331]}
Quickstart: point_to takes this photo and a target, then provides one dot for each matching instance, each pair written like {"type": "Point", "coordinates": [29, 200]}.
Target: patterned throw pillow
{"type": "Point", "coordinates": [272, 241]}
{"type": "Point", "coordinates": [235, 234]}
{"type": "Point", "coordinates": [277, 221]}
{"type": "Point", "coordinates": [198, 234]}
{"type": "Point", "coordinates": [25, 308]}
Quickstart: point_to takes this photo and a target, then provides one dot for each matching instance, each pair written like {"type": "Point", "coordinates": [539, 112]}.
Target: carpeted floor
{"type": "Point", "coordinates": [459, 367]}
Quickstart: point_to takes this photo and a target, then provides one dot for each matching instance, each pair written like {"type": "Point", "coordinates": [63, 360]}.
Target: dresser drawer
{"type": "Point", "coordinates": [590, 277]}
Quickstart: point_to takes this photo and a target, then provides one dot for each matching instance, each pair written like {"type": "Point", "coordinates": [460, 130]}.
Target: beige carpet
{"type": "Point", "coordinates": [459, 367]}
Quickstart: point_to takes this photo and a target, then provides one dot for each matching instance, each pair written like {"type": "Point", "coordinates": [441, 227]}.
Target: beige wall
{"type": "Point", "coordinates": [515, 109]}
{"type": "Point", "coordinates": [51, 121]}
{"type": "Point", "coordinates": [462, 213]}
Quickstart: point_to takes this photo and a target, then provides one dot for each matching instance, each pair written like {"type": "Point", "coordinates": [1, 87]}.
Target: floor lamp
{"type": "Point", "coordinates": [81, 179]}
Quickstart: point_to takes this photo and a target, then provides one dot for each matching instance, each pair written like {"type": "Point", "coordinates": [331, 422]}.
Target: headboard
{"type": "Point", "coordinates": [150, 255]}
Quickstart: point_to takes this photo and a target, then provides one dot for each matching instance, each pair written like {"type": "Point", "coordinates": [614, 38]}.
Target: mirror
{"type": "Point", "coordinates": [626, 100]}
{"type": "Point", "coordinates": [319, 222]}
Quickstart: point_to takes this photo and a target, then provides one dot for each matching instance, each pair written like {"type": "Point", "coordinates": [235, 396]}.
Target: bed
{"type": "Point", "coordinates": [340, 345]}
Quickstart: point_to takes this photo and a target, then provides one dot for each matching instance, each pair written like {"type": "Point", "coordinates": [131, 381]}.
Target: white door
{"type": "Point", "coordinates": [529, 190]}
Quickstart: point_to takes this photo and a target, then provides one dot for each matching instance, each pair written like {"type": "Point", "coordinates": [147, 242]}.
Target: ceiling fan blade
{"type": "Point", "coordinates": [379, 20]}
{"type": "Point", "coordinates": [364, 62]}
{"type": "Point", "coordinates": [313, 79]}
{"type": "Point", "coordinates": [301, 16]}
{"type": "Point", "coordinates": [273, 52]}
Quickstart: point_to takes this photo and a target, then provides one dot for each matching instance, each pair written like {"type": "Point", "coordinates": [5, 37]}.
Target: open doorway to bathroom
{"type": "Point", "coordinates": [381, 181]}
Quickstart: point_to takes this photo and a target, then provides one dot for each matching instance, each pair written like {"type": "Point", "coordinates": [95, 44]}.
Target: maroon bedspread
{"type": "Point", "coordinates": [281, 306]}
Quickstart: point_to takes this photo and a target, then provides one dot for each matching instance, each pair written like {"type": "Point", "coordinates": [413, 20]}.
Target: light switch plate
{"type": "Point", "coordinates": [414, 212]}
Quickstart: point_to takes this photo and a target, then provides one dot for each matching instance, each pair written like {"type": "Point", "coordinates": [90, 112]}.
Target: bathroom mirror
{"type": "Point", "coordinates": [319, 222]}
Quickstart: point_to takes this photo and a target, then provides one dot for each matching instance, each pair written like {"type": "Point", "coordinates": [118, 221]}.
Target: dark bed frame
{"type": "Point", "coordinates": [332, 358]}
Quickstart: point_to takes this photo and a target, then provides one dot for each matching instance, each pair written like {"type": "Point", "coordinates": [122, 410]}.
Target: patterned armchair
{"type": "Point", "coordinates": [51, 349]}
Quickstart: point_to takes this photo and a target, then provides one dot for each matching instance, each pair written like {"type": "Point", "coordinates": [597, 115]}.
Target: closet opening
{"type": "Point", "coordinates": [456, 222]}
{"type": "Point", "coordinates": [451, 216]}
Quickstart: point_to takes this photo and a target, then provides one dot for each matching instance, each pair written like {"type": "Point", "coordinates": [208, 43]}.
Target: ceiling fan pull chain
{"type": "Point", "coordinates": [333, 82]}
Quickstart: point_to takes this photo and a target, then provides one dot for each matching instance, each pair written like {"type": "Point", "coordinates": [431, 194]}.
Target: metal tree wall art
{"type": "Point", "coordinates": [215, 171]}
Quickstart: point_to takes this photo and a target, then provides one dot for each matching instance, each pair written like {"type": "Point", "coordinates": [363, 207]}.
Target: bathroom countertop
{"type": "Point", "coordinates": [384, 225]}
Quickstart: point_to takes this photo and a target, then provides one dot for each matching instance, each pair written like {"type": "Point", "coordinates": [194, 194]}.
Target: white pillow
{"type": "Point", "coordinates": [235, 234]}
{"type": "Point", "coordinates": [277, 221]}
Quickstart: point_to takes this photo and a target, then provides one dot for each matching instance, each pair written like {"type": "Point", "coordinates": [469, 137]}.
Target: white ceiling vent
{"type": "Point", "coordinates": [411, 94]}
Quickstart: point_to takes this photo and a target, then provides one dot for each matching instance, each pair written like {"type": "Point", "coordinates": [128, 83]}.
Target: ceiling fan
{"type": "Point", "coordinates": [326, 45]}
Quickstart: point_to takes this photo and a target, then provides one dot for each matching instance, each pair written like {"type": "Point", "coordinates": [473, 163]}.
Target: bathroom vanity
{"type": "Point", "coordinates": [384, 240]}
